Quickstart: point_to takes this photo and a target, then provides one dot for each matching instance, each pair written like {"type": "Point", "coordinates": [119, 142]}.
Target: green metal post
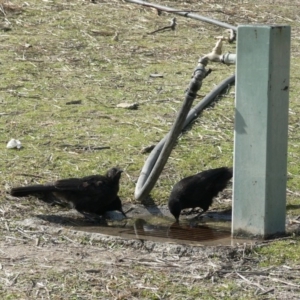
{"type": "Point", "coordinates": [261, 130]}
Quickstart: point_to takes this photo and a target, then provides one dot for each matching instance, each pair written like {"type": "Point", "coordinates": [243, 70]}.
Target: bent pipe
{"type": "Point", "coordinates": [195, 84]}
{"type": "Point", "coordinates": [184, 14]}
{"type": "Point", "coordinates": [153, 167]}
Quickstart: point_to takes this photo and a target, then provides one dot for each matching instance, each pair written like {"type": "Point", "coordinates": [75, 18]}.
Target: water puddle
{"type": "Point", "coordinates": [163, 229]}
{"type": "Point", "coordinates": [156, 224]}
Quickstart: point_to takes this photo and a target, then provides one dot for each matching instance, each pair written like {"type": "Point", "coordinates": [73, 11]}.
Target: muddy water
{"type": "Point", "coordinates": [163, 229]}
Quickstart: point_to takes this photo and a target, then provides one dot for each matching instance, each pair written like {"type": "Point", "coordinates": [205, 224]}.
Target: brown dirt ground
{"type": "Point", "coordinates": [38, 261]}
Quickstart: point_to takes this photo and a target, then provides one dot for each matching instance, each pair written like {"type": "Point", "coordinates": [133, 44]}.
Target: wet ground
{"type": "Point", "coordinates": [160, 229]}
{"type": "Point", "coordinates": [155, 224]}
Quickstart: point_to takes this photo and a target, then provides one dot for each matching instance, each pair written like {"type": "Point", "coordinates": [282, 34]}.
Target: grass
{"type": "Point", "coordinates": [69, 63]}
{"type": "Point", "coordinates": [62, 51]}
{"type": "Point", "coordinates": [280, 253]}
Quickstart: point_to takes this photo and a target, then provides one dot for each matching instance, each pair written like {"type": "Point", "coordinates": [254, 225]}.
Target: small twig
{"type": "Point", "coordinates": [290, 268]}
{"type": "Point", "coordinates": [129, 210]}
{"type": "Point", "coordinates": [250, 282]}
{"type": "Point", "coordinates": [7, 226]}
{"type": "Point", "coordinates": [171, 27]}
{"type": "Point", "coordinates": [25, 234]}
{"type": "Point", "coordinates": [29, 175]}
{"type": "Point", "coordinates": [13, 238]}
{"type": "Point", "coordinates": [84, 148]}
{"type": "Point", "coordinates": [2, 10]}
{"type": "Point", "coordinates": [285, 282]}
{"type": "Point", "coordinates": [14, 280]}
{"type": "Point", "coordinates": [267, 292]}
{"type": "Point", "coordinates": [68, 239]}
{"type": "Point", "coordinates": [294, 221]}
{"type": "Point", "coordinates": [256, 273]}
{"type": "Point", "coordinates": [292, 193]}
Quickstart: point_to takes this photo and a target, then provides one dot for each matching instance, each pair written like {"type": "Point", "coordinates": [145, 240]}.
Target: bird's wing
{"type": "Point", "coordinates": [89, 183]}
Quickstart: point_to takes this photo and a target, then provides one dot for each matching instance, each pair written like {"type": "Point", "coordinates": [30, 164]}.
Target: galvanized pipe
{"type": "Point", "coordinates": [146, 182]}
{"type": "Point", "coordinates": [151, 172]}
{"type": "Point", "coordinates": [184, 14]}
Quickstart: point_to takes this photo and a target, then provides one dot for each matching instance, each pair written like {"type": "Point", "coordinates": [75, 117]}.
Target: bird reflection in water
{"type": "Point", "coordinates": [186, 231]}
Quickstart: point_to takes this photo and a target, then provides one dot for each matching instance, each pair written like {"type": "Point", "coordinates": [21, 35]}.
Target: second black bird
{"type": "Point", "coordinates": [198, 190]}
{"type": "Point", "coordinates": [95, 194]}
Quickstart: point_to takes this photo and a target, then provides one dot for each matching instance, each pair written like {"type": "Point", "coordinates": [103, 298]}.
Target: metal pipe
{"type": "Point", "coordinates": [184, 14]}
{"type": "Point", "coordinates": [228, 58]}
{"type": "Point", "coordinates": [151, 172]}
{"type": "Point", "coordinates": [146, 182]}
{"type": "Point", "coordinates": [160, 154]}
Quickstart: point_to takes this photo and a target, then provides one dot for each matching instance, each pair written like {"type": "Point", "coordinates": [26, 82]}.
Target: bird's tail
{"type": "Point", "coordinates": [24, 191]}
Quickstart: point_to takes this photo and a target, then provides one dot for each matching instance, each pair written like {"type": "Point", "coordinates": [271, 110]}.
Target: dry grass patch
{"type": "Point", "coordinates": [53, 53]}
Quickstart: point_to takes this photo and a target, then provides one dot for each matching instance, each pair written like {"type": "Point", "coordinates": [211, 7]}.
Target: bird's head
{"type": "Point", "coordinates": [175, 208]}
{"type": "Point", "coordinates": [114, 173]}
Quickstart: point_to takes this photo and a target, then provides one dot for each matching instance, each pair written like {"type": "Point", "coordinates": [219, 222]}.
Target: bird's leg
{"type": "Point", "coordinates": [201, 213]}
{"type": "Point", "coordinates": [124, 225]}
{"type": "Point", "coordinates": [122, 212]}
{"type": "Point", "coordinates": [91, 218]}
{"type": "Point", "coordinates": [129, 210]}
{"type": "Point", "coordinates": [191, 211]}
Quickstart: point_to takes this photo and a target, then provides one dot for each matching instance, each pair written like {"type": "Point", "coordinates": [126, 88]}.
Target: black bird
{"type": "Point", "coordinates": [198, 190]}
{"type": "Point", "coordinates": [95, 194]}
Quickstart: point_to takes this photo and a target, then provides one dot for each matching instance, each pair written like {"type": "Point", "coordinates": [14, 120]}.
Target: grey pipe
{"type": "Point", "coordinates": [150, 174]}
{"type": "Point", "coordinates": [184, 14]}
{"type": "Point", "coordinates": [146, 180]}
{"type": "Point", "coordinates": [160, 154]}
{"type": "Point", "coordinates": [228, 58]}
